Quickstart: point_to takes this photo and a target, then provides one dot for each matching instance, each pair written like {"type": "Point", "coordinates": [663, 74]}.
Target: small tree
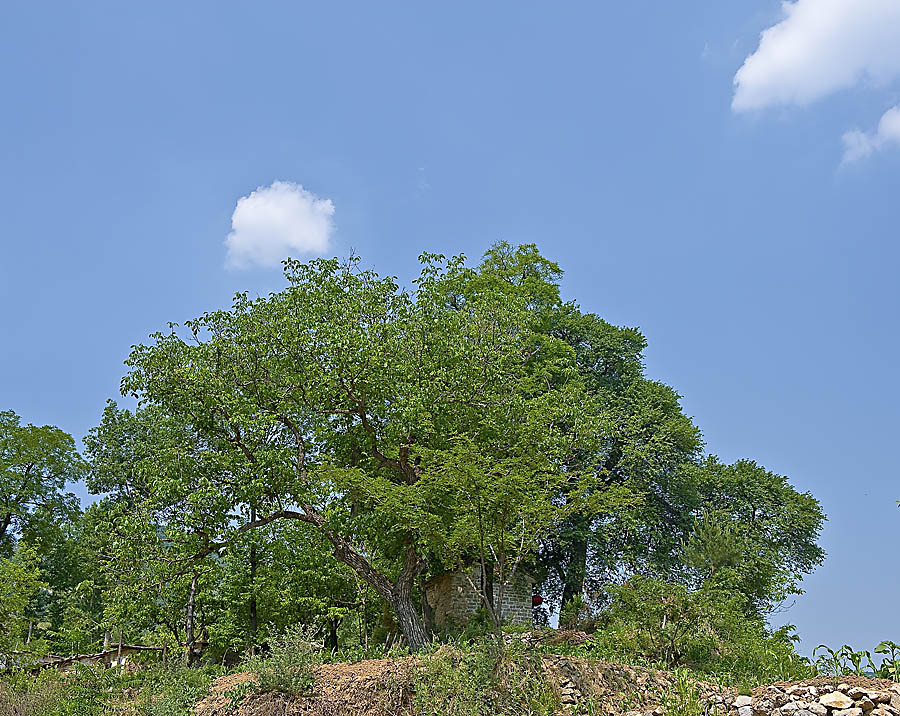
{"type": "Point", "coordinates": [20, 581]}
{"type": "Point", "coordinates": [36, 462]}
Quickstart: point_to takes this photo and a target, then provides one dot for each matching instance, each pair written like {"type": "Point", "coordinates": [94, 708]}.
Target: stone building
{"type": "Point", "coordinates": [453, 601]}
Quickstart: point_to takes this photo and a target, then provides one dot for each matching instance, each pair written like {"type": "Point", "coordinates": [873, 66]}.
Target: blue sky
{"type": "Point", "coordinates": [749, 230]}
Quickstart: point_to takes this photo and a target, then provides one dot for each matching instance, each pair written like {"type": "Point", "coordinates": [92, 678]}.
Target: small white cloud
{"type": "Point", "coordinates": [858, 144]}
{"type": "Point", "coordinates": [278, 221]}
{"type": "Point", "coordinates": [820, 46]}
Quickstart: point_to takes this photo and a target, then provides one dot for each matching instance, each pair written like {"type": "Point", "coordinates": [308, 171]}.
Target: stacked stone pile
{"type": "Point", "coordinates": [820, 700]}
{"type": "Point", "coordinates": [615, 689]}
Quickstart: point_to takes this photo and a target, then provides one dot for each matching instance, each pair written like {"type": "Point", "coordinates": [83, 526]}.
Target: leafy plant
{"type": "Point", "coordinates": [172, 691]}
{"type": "Point", "coordinates": [890, 665]}
{"type": "Point", "coordinates": [482, 681]}
{"type": "Point", "coordinates": [842, 661]}
{"type": "Point", "coordinates": [684, 698]}
{"type": "Point", "coordinates": [855, 658]}
{"type": "Point", "coordinates": [287, 668]}
{"type": "Point", "coordinates": [577, 614]}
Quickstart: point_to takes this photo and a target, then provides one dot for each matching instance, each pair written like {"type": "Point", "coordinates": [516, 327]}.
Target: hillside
{"type": "Point", "coordinates": [579, 686]}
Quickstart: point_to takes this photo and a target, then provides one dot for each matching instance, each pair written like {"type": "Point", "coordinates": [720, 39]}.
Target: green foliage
{"type": "Point", "coordinates": [36, 462]}
{"type": "Point", "coordinates": [706, 630]}
{"type": "Point", "coordinates": [20, 582]}
{"type": "Point", "coordinates": [287, 667]}
{"type": "Point", "coordinates": [653, 493]}
{"type": "Point", "coordinates": [752, 532]}
{"type": "Point", "coordinates": [48, 694]}
{"type": "Point", "coordinates": [845, 660]}
{"type": "Point", "coordinates": [96, 691]}
{"type": "Point", "coordinates": [173, 690]}
{"type": "Point", "coordinates": [684, 698]}
{"type": "Point", "coordinates": [360, 408]}
{"type": "Point", "coordinates": [481, 681]}
{"type": "Point", "coordinates": [577, 614]}
{"type": "Point", "coordinates": [835, 662]}
{"type": "Point", "coordinates": [890, 664]}
{"type": "Point", "coordinates": [304, 461]}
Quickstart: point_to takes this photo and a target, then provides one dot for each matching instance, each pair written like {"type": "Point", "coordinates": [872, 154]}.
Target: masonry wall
{"type": "Point", "coordinates": [453, 600]}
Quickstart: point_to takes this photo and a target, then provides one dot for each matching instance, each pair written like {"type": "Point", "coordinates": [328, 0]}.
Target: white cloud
{"type": "Point", "coordinates": [820, 46]}
{"type": "Point", "coordinates": [278, 221]}
{"type": "Point", "coordinates": [858, 144]}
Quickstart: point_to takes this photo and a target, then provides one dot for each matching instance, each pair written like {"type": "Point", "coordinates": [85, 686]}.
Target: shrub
{"type": "Point", "coordinates": [171, 691]}
{"type": "Point", "coordinates": [482, 681]}
{"type": "Point", "coordinates": [94, 690]}
{"type": "Point", "coordinates": [577, 614]}
{"type": "Point", "coordinates": [287, 668]}
{"type": "Point", "coordinates": [20, 694]}
{"type": "Point", "coordinates": [706, 630]}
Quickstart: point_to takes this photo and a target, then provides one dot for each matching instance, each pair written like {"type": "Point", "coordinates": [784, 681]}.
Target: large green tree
{"type": "Point", "coordinates": [643, 436]}
{"type": "Point", "coordinates": [653, 491]}
{"type": "Point", "coordinates": [337, 401]}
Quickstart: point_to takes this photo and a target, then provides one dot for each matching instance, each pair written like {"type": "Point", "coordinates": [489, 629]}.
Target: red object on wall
{"type": "Point", "coordinates": [537, 600]}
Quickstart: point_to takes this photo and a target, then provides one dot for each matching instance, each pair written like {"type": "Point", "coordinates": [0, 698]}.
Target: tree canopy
{"type": "Point", "coordinates": [315, 454]}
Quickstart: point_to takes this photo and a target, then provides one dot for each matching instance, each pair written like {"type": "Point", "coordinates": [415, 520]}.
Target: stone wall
{"type": "Point", "coordinates": [453, 600]}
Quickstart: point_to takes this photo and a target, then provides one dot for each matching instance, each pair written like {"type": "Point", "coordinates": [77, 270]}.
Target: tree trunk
{"type": "Point", "coordinates": [427, 610]}
{"type": "Point", "coordinates": [331, 638]}
{"type": "Point", "coordinates": [189, 623]}
{"type": "Point", "coordinates": [576, 569]}
{"type": "Point", "coordinates": [487, 579]}
{"type": "Point", "coordinates": [397, 594]}
{"type": "Point", "coordinates": [254, 618]}
{"type": "Point", "coordinates": [409, 620]}
{"type": "Point", "coordinates": [5, 523]}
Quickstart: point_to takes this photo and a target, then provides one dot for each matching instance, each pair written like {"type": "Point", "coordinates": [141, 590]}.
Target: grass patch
{"type": "Point", "coordinates": [482, 681]}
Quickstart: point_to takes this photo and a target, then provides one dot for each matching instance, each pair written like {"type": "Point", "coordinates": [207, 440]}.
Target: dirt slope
{"type": "Point", "coordinates": [384, 687]}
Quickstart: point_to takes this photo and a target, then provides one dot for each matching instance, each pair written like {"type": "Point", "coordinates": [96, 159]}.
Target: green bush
{"type": "Point", "coordinates": [287, 668]}
{"type": "Point", "coordinates": [84, 691]}
{"type": "Point", "coordinates": [577, 614]}
{"type": "Point", "coordinates": [707, 630]}
{"type": "Point", "coordinates": [482, 681]}
{"type": "Point", "coordinates": [171, 691]}
{"type": "Point", "coordinates": [96, 691]}
{"type": "Point", "coordinates": [21, 694]}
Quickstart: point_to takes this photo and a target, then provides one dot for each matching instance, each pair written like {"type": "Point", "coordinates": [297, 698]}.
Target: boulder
{"type": "Point", "coordinates": [837, 700]}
